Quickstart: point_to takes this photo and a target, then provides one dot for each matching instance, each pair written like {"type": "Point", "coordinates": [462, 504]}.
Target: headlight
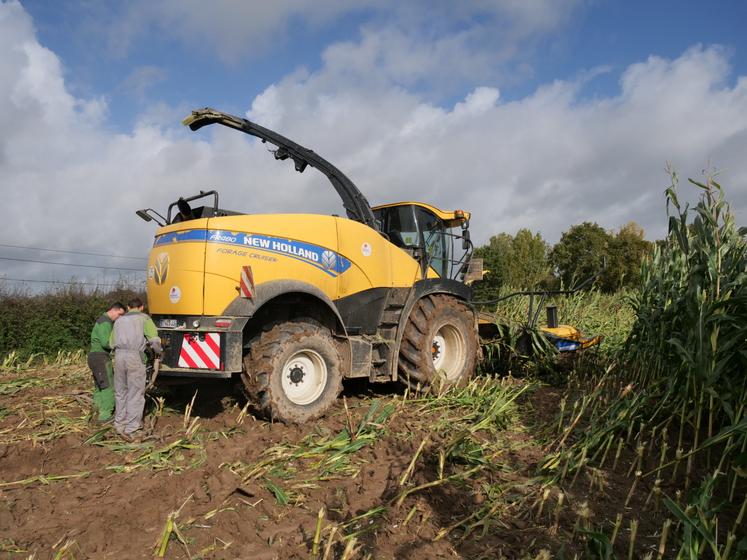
{"type": "Point", "coordinates": [195, 324]}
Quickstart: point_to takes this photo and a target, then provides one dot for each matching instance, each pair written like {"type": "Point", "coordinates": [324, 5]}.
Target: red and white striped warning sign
{"type": "Point", "coordinates": [199, 353]}
{"type": "Point", "coordinates": [247, 282]}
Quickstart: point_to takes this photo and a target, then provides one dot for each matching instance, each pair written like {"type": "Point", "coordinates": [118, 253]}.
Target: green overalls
{"type": "Point", "coordinates": [100, 363]}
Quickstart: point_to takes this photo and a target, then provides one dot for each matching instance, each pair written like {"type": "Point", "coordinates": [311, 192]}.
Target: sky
{"type": "Point", "coordinates": [534, 114]}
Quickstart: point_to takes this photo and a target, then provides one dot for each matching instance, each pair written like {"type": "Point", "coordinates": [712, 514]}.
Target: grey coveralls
{"type": "Point", "coordinates": [132, 331]}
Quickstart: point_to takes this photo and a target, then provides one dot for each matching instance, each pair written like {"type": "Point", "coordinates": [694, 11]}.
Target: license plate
{"type": "Point", "coordinates": [171, 323]}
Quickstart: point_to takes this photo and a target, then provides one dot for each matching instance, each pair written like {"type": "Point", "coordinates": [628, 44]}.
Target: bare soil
{"type": "Point", "coordinates": [72, 489]}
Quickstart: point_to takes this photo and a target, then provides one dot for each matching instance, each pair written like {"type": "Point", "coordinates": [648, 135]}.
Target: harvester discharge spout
{"type": "Point", "coordinates": [356, 205]}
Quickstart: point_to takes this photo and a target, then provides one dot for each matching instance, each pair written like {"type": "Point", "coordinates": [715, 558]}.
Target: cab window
{"type": "Point", "coordinates": [412, 227]}
{"type": "Point", "coordinates": [398, 223]}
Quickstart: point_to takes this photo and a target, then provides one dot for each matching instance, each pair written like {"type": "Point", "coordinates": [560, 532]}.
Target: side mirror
{"type": "Point", "coordinates": [466, 241]}
{"type": "Point", "coordinates": [150, 215]}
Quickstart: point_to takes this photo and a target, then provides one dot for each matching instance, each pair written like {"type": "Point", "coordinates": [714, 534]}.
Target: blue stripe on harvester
{"type": "Point", "coordinates": [326, 260]}
{"type": "Point", "coordinates": [181, 236]}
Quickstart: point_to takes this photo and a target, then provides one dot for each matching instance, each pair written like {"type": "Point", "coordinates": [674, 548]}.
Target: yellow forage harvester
{"type": "Point", "coordinates": [294, 303]}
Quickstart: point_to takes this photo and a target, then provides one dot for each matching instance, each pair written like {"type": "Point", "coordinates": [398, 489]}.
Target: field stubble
{"type": "Point", "coordinates": [385, 475]}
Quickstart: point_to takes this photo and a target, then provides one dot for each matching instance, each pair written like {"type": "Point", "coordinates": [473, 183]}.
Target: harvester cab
{"type": "Point", "coordinates": [294, 303]}
{"type": "Point", "coordinates": [439, 240]}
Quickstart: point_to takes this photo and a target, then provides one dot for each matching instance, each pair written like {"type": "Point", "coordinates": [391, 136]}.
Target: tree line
{"type": "Point", "coordinates": [526, 261]}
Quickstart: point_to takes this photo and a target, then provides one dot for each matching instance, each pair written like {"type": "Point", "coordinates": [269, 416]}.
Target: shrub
{"type": "Point", "coordinates": [60, 320]}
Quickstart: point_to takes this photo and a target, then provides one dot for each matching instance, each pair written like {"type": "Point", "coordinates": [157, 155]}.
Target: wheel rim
{"type": "Point", "coordinates": [448, 351]}
{"type": "Point", "coordinates": [304, 377]}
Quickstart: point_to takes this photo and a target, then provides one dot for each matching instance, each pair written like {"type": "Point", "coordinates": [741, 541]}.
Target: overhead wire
{"type": "Point", "coordinates": [71, 264]}
{"type": "Point", "coordinates": [72, 252]}
{"type": "Point", "coordinates": [69, 283]}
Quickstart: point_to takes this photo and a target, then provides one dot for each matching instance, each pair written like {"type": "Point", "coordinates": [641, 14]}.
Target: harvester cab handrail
{"type": "Point", "coordinates": [356, 205]}
{"type": "Point", "coordinates": [185, 209]}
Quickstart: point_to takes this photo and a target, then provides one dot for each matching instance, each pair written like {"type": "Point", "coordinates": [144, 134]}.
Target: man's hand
{"type": "Point", "coordinates": [155, 344]}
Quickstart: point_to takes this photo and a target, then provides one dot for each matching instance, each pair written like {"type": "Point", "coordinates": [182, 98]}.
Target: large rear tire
{"type": "Point", "coordinates": [439, 346]}
{"type": "Point", "coordinates": [293, 372]}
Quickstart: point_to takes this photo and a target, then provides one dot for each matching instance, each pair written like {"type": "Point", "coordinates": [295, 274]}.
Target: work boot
{"type": "Point", "coordinates": [136, 436]}
{"type": "Point", "coordinates": [127, 437]}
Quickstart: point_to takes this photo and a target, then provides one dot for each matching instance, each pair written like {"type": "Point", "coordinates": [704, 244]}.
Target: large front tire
{"type": "Point", "coordinates": [293, 372]}
{"type": "Point", "coordinates": [439, 346]}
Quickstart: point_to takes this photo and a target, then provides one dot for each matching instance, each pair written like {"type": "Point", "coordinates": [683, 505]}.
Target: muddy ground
{"type": "Point", "coordinates": [215, 482]}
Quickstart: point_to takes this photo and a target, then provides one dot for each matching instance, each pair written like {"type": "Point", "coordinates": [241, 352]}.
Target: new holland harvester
{"type": "Point", "coordinates": [295, 303]}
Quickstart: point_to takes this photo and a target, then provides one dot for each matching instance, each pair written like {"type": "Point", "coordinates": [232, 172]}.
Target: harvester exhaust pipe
{"type": "Point", "coordinates": [552, 316]}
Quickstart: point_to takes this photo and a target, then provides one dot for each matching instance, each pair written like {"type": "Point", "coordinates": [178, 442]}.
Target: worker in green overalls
{"type": "Point", "coordinates": [100, 363]}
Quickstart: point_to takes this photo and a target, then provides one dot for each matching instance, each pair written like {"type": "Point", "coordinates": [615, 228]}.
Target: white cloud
{"type": "Point", "coordinates": [442, 64]}
{"type": "Point", "coordinates": [545, 162]}
{"type": "Point", "coordinates": [436, 42]}
{"type": "Point", "coordinates": [227, 28]}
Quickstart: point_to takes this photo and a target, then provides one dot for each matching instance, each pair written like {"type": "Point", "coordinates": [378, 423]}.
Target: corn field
{"type": "Point", "coordinates": [674, 398]}
{"type": "Point", "coordinates": [688, 346]}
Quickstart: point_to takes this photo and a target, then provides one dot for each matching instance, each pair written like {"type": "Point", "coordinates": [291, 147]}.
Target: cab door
{"type": "Point", "coordinates": [434, 242]}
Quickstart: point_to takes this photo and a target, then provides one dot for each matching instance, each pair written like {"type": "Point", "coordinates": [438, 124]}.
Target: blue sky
{"type": "Point", "coordinates": [601, 34]}
{"type": "Point", "coordinates": [534, 113]}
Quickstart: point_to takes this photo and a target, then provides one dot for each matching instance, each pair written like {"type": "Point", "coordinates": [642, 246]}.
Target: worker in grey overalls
{"type": "Point", "coordinates": [132, 332]}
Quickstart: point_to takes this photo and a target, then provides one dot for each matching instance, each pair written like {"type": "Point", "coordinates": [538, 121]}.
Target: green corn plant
{"type": "Point", "coordinates": [689, 339]}
{"type": "Point", "coordinates": [681, 372]}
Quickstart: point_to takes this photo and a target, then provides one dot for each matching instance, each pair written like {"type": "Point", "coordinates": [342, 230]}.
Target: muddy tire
{"type": "Point", "coordinates": [439, 346]}
{"type": "Point", "coordinates": [293, 372]}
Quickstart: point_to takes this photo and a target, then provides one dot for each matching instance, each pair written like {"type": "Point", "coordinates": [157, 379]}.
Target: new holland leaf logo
{"type": "Point", "coordinates": [329, 260]}
{"type": "Point", "coordinates": [161, 268]}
